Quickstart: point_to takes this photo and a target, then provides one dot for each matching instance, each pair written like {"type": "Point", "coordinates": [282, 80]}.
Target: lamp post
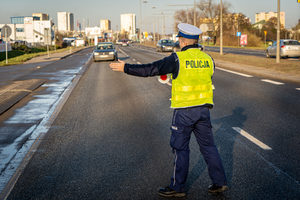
{"type": "Point", "coordinates": [194, 12]}
{"type": "Point", "coordinates": [221, 28]}
{"type": "Point", "coordinates": [141, 20]}
{"type": "Point", "coordinates": [278, 33]}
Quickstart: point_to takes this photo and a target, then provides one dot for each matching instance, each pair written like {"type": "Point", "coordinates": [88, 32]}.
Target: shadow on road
{"type": "Point", "coordinates": [224, 139]}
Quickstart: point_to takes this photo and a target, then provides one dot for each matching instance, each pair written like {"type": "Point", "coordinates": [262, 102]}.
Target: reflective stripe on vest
{"type": "Point", "coordinates": [193, 85]}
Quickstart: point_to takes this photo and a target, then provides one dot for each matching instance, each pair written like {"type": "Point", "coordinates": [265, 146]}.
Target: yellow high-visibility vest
{"type": "Point", "coordinates": [193, 85]}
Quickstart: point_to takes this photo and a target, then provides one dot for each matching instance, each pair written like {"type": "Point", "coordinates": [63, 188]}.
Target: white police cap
{"type": "Point", "coordinates": [188, 31]}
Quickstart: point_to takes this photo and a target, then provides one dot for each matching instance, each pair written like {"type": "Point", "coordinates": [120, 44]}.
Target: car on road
{"type": "Point", "coordinates": [105, 51]}
{"type": "Point", "coordinates": [124, 42]}
{"type": "Point", "coordinates": [165, 45]}
{"type": "Point", "coordinates": [288, 48]}
{"type": "Point", "coordinates": [177, 47]}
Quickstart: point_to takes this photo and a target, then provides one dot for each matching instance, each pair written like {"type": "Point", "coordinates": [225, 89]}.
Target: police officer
{"type": "Point", "coordinates": [192, 97]}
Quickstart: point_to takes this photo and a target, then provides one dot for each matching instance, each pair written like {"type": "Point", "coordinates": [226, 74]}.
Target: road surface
{"type": "Point", "coordinates": [111, 139]}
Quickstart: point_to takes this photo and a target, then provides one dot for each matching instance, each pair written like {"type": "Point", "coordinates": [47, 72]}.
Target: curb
{"type": "Point", "coordinates": [13, 99]}
{"type": "Point", "coordinates": [73, 53]}
{"type": "Point", "coordinates": [16, 91]}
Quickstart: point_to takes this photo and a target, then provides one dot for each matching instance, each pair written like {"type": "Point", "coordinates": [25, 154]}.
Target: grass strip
{"type": "Point", "coordinates": [19, 59]}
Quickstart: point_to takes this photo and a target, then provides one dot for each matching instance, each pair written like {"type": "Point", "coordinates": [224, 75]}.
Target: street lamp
{"type": "Point", "coordinates": [278, 33]}
{"type": "Point", "coordinates": [141, 1]}
{"type": "Point", "coordinates": [194, 12]}
{"type": "Point", "coordinates": [221, 28]}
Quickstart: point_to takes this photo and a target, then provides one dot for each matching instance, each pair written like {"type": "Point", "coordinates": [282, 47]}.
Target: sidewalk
{"type": "Point", "coordinates": [54, 56]}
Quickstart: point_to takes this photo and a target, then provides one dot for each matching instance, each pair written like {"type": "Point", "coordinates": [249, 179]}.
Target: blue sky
{"type": "Point", "coordinates": [93, 10]}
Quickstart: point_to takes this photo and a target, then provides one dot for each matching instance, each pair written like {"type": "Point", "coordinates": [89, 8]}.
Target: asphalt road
{"type": "Point", "coordinates": [111, 139]}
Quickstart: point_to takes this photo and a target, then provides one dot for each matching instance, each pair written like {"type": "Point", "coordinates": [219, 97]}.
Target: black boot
{"type": "Point", "coordinates": [217, 189]}
{"type": "Point", "coordinates": [168, 192]}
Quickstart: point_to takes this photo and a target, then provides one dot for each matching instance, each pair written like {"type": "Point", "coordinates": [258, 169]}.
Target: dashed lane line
{"type": "Point", "coordinates": [251, 138]}
{"type": "Point", "coordinates": [273, 82]}
{"type": "Point", "coordinates": [233, 72]}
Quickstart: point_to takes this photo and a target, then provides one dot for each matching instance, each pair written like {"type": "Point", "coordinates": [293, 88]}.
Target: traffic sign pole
{"type": "Point", "coordinates": [6, 54]}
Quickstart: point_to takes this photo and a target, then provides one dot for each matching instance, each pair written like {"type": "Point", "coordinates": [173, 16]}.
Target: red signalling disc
{"type": "Point", "coordinates": [163, 77]}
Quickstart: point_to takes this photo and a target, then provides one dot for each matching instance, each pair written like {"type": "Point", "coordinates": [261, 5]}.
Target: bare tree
{"type": "Point", "coordinates": [204, 9]}
{"type": "Point", "coordinates": [210, 9]}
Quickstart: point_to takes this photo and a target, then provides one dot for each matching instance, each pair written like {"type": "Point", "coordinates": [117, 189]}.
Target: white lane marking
{"type": "Point", "coordinates": [123, 52]}
{"type": "Point", "coordinates": [138, 63]}
{"type": "Point", "coordinates": [134, 59]}
{"type": "Point", "coordinates": [233, 72]}
{"type": "Point", "coordinates": [251, 138]}
{"type": "Point", "coordinates": [273, 82]}
{"type": "Point", "coordinates": [297, 88]}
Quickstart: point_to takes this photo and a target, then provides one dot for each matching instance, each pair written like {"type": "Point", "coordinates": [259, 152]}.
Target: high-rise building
{"type": "Point", "coordinates": [268, 15]}
{"type": "Point", "coordinates": [41, 16]}
{"type": "Point", "coordinates": [65, 21]}
{"type": "Point", "coordinates": [128, 23]}
{"type": "Point", "coordinates": [105, 25]}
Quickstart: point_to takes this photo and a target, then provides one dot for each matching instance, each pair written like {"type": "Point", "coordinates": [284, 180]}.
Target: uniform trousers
{"type": "Point", "coordinates": [196, 120]}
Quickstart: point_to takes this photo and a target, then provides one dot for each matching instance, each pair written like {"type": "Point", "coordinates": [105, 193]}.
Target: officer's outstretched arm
{"type": "Point", "coordinates": [117, 66]}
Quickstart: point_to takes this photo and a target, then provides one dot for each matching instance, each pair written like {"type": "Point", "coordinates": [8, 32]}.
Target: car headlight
{"type": "Point", "coordinates": [111, 53]}
{"type": "Point", "coordinates": [96, 54]}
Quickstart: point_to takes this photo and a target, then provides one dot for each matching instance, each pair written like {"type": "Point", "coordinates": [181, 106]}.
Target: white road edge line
{"type": "Point", "coordinates": [251, 138]}
{"type": "Point", "coordinates": [273, 82]}
{"type": "Point", "coordinates": [233, 72]}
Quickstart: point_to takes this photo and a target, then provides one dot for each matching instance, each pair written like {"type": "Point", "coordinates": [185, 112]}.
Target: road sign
{"type": "Point", "coordinates": [146, 34]}
{"type": "Point", "coordinates": [6, 29]}
{"type": "Point", "coordinates": [243, 40]}
{"type": "Point", "coordinates": [204, 28]}
{"type": "Point", "coordinates": [238, 34]}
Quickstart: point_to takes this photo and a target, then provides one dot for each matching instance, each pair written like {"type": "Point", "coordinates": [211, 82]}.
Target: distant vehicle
{"type": "Point", "coordinates": [288, 48]}
{"type": "Point", "coordinates": [177, 47]}
{"type": "Point", "coordinates": [119, 42]}
{"type": "Point", "coordinates": [125, 42]}
{"type": "Point", "coordinates": [18, 43]}
{"type": "Point", "coordinates": [165, 45]}
{"type": "Point", "coordinates": [105, 51]}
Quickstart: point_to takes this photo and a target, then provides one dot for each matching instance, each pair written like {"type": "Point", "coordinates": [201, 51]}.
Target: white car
{"type": "Point", "coordinates": [288, 48]}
